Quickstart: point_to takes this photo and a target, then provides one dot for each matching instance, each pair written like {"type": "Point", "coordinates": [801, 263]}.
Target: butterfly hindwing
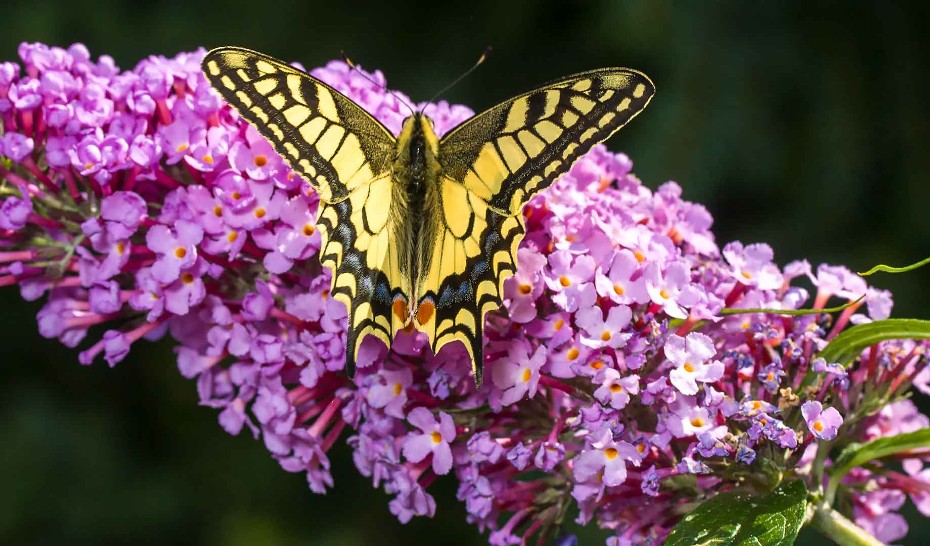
{"type": "Point", "coordinates": [492, 165]}
{"type": "Point", "coordinates": [346, 155]}
{"type": "Point", "coordinates": [519, 147]}
{"type": "Point", "coordinates": [473, 254]}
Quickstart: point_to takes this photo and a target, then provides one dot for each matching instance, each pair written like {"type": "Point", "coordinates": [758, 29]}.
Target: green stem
{"type": "Point", "coordinates": [840, 530]}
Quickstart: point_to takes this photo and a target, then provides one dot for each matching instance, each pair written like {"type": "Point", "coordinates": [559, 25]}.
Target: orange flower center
{"type": "Point", "coordinates": [309, 229]}
{"type": "Point", "coordinates": [260, 160]}
{"type": "Point", "coordinates": [573, 353]}
{"type": "Point", "coordinates": [565, 281]}
{"type": "Point", "coordinates": [435, 436]}
{"type": "Point", "coordinates": [525, 377]}
{"type": "Point", "coordinates": [525, 289]}
{"type": "Point", "coordinates": [611, 453]}
{"type": "Point", "coordinates": [180, 252]}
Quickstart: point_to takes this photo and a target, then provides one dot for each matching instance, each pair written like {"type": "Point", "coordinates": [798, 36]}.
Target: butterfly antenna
{"type": "Point", "coordinates": [481, 59]}
{"type": "Point", "coordinates": [355, 67]}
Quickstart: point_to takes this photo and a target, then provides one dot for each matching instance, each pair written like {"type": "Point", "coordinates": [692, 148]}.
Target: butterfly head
{"type": "Point", "coordinates": [417, 144]}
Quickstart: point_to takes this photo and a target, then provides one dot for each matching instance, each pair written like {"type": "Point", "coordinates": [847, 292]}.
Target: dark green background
{"type": "Point", "coordinates": [805, 127]}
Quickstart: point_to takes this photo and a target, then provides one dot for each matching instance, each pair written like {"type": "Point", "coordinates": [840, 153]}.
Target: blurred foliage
{"type": "Point", "coordinates": [801, 125]}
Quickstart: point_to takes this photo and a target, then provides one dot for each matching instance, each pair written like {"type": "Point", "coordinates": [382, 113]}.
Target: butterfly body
{"type": "Point", "coordinates": [420, 231]}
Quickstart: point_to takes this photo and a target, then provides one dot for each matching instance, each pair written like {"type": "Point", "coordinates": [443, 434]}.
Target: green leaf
{"type": "Point", "coordinates": [851, 342]}
{"type": "Point", "coordinates": [858, 454]}
{"type": "Point", "coordinates": [891, 269]}
{"type": "Point", "coordinates": [742, 519]}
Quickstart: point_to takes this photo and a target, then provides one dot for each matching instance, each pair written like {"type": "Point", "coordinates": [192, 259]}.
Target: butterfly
{"type": "Point", "coordinates": [421, 231]}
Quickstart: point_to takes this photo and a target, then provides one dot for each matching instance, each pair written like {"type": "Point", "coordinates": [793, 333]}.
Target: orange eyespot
{"type": "Point", "coordinates": [425, 311]}
{"type": "Point", "coordinates": [399, 307]}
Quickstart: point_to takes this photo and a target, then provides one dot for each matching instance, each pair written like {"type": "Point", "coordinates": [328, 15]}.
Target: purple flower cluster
{"type": "Point", "coordinates": [139, 200]}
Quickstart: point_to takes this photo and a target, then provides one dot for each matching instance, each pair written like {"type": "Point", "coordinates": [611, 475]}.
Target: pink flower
{"type": "Point", "coordinates": [433, 439]}
{"type": "Point", "coordinates": [615, 391]}
{"type": "Point", "coordinates": [617, 284]}
{"type": "Point", "coordinates": [570, 279]}
{"type": "Point", "coordinates": [390, 391]}
{"type": "Point", "coordinates": [690, 356]}
{"type": "Point", "coordinates": [601, 332]}
{"type": "Point", "coordinates": [518, 375]}
{"type": "Point", "coordinates": [823, 423]}
{"type": "Point", "coordinates": [605, 458]}
{"type": "Point", "coordinates": [671, 289]}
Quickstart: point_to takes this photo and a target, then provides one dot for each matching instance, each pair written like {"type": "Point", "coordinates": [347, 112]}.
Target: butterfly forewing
{"type": "Point", "coordinates": [492, 165]}
{"type": "Point", "coordinates": [510, 152]}
{"type": "Point", "coordinates": [346, 155]}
